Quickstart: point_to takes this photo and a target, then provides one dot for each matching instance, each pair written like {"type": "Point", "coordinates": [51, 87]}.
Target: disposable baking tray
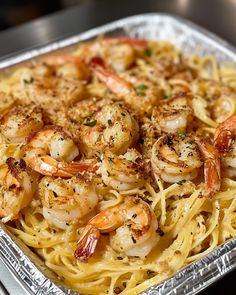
{"type": "Point", "coordinates": [24, 265]}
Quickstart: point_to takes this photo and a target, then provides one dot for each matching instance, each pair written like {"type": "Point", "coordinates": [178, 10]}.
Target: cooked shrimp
{"type": "Point", "coordinates": [19, 122]}
{"type": "Point", "coordinates": [212, 169]}
{"type": "Point", "coordinates": [52, 91]}
{"type": "Point", "coordinates": [67, 66]}
{"type": "Point", "coordinates": [175, 158]}
{"type": "Point", "coordinates": [138, 92]}
{"type": "Point", "coordinates": [111, 128]}
{"type": "Point", "coordinates": [122, 172]}
{"type": "Point", "coordinates": [174, 115]}
{"type": "Point", "coordinates": [119, 52]}
{"type": "Point", "coordinates": [224, 134]}
{"type": "Point", "coordinates": [226, 145]}
{"type": "Point", "coordinates": [50, 151]}
{"type": "Point", "coordinates": [66, 200]}
{"type": "Point", "coordinates": [220, 98]}
{"type": "Point", "coordinates": [170, 70]}
{"type": "Point", "coordinates": [134, 224]}
{"type": "Point", "coordinates": [17, 187]}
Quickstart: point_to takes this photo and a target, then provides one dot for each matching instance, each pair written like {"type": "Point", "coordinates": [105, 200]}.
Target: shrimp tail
{"type": "Point", "coordinates": [49, 166]}
{"type": "Point", "coordinates": [87, 243]}
{"type": "Point", "coordinates": [223, 141]}
{"type": "Point", "coordinates": [75, 168]}
{"type": "Point", "coordinates": [211, 177]}
{"type": "Point", "coordinates": [212, 168]}
{"type": "Point", "coordinates": [106, 74]}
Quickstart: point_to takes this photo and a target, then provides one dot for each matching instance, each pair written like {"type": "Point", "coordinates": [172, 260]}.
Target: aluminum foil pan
{"type": "Point", "coordinates": [25, 266]}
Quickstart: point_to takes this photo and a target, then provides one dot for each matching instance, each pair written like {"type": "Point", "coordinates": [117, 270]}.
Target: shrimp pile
{"type": "Point", "coordinates": [118, 161]}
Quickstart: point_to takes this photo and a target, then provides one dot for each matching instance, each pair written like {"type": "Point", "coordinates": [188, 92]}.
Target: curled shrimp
{"type": "Point", "coordinates": [212, 168]}
{"type": "Point", "coordinates": [171, 70]}
{"type": "Point", "coordinates": [176, 158]}
{"type": "Point", "coordinates": [224, 142]}
{"type": "Point", "coordinates": [17, 187]}
{"type": "Point", "coordinates": [132, 225]}
{"type": "Point", "coordinates": [19, 122]}
{"type": "Point", "coordinates": [111, 128]}
{"type": "Point", "coordinates": [219, 97]}
{"type": "Point", "coordinates": [50, 151]}
{"type": "Point", "coordinates": [122, 172]}
{"type": "Point", "coordinates": [66, 200]}
{"type": "Point", "coordinates": [67, 66]}
{"type": "Point", "coordinates": [119, 52]}
{"type": "Point", "coordinates": [139, 92]}
{"type": "Point", "coordinates": [174, 115]}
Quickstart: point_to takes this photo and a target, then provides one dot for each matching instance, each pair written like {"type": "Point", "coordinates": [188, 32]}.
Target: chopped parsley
{"type": "Point", "coordinates": [91, 123]}
{"type": "Point", "coordinates": [164, 96]}
{"type": "Point", "coordinates": [30, 81]}
{"type": "Point", "coordinates": [181, 182]}
{"type": "Point", "coordinates": [99, 137]}
{"type": "Point", "coordinates": [140, 89]}
{"type": "Point", "coordinates": [109, 122]}
{"type": "Point", "coordinates": [148, 52]}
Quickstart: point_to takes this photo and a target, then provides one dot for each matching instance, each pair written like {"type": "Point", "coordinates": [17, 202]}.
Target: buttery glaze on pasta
{"type": "Point", "coordinates": [118, 161]}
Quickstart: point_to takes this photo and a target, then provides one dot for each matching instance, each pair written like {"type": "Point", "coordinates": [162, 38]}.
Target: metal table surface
{"type": "Point", "coordinates": [217, 16]}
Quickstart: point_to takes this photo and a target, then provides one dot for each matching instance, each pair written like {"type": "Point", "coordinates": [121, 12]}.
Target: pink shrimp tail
{"type": "Point", "coordinates": [107, 75]}
{"type": "Point", "coordinates": [212, 177]}
{"type": "Point", "coordinates": [212, 168]}
{"type": "Point", "coordinates": [223, 141]}
{"type": "Point", "coordinates": [87, 243]}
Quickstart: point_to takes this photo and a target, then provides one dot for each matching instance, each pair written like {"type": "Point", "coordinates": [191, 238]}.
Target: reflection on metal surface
{"type": "Point", "coordinates": [183, 4]}
{"type": "Point", "coordinates": [26, 267]}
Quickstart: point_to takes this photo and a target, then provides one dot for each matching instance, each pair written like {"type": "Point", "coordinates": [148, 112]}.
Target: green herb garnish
{"type": "Point", "coordinates": [181, 182]}
{"type": "Point", "coordinates": [140, 89]}
{"type": "Point", "coordinates": [109, 122]}
{"type": "Point", "coordinates": [30, 81]}
{"type": "Point", "coordinates": [91, 123]}
{"type": "Point", "coordinates": [165, 96]}
{"type": "Point", "coordinates": [148, 52]}
{"type": "Point", "coordinates": [99, 137]}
